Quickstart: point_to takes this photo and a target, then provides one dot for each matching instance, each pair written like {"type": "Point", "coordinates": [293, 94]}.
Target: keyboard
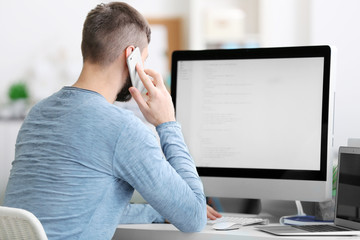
{"type": "Point", "coordinates": [320, 228]}
{"type": "Point", "coordinates": [244, 221]}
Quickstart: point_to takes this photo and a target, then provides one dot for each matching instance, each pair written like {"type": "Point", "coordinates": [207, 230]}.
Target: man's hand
{"type": "Point", "coordinates": [212, 214]}
{"type": "Point", "coordinates": [158, 108]}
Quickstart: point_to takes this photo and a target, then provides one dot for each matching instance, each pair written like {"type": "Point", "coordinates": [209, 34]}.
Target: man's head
{"type": "Point", "coordinates": [108, 30]}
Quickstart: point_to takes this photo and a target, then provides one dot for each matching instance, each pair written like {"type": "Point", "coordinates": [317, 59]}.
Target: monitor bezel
{"type": "Point", "coordinates": [264, 53]}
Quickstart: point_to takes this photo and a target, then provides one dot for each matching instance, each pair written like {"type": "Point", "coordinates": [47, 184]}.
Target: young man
{"type": "Point", "coordinates": [78, 157]}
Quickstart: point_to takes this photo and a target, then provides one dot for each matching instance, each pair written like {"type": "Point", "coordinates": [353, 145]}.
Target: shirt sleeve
{"type": "Point", "coordinates": [140, 214]}
{"type": "Point", "coordinates": [169, 184]}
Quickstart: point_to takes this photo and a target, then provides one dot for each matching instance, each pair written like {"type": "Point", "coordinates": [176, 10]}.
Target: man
{"type": "Point", "coordinates": [78, 157]}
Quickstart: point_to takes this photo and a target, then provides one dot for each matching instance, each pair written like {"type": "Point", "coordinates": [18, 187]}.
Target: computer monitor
{"type": "Point", "coordinates": [258, 122]}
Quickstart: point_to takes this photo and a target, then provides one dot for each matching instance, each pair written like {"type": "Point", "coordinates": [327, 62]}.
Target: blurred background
{"type": "Point", "coordinates": [40, 47]}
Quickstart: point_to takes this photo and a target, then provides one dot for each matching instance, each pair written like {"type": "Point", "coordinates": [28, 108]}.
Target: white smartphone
{"type": "Point", "coordinates": [132, 60]}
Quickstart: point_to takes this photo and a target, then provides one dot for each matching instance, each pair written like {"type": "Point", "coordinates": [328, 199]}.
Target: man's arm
{"type": "Point", "coordinates": [172, 185]}
{"type": "Point", "coordinates": [174, 191]}
{"type": "Point", "coordinates": [143, 213]}
{"type": "Point", "coordinates": [140, 214]}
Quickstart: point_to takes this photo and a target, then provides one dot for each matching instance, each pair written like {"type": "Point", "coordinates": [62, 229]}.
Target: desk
{"type": "Point", "coordinates": [169, 232]}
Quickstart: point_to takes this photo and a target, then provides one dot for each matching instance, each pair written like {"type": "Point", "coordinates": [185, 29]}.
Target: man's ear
{"type": "Point", "coordinates": [129, 50]}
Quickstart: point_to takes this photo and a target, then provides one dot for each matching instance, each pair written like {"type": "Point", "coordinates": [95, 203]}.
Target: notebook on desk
{"type": "Point", "coordinates": [347, 203]}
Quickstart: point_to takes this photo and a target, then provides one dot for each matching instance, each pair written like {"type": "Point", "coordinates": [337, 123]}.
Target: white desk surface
{"type": "Point", "coordinates": [169, 232]}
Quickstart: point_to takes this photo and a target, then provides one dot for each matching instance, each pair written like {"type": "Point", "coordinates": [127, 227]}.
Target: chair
{"type": "Point", "coordinates": [16, 224]}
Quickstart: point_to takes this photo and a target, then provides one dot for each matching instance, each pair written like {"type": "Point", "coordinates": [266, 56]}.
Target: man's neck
{"type": "Point", "coordinates": [105, 81]}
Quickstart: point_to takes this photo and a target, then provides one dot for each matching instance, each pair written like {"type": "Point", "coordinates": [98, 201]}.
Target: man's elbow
{"type": "Point", "coordinates": [195, 225]}
{"type": "Point", "coordinates": [192, 228]}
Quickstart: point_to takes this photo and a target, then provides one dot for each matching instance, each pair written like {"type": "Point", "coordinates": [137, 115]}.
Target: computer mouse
{"type": "Point", "coordinates": [224, 226]}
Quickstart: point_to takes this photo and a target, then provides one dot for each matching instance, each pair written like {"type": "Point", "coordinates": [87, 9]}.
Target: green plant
{"type": "Point", "coordinates": [18, 91]}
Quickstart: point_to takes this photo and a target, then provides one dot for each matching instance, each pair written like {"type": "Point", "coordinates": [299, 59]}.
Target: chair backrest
{"type": "Point", "coordinates": [19, 224]}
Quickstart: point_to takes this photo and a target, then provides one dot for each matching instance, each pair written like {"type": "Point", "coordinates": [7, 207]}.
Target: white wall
{"type": "Point", "coordinates": [337, 23]}
{"type": "Point", "coordinates": [284, 22]}
{"type": "Point", "coordinates": [40, 40]}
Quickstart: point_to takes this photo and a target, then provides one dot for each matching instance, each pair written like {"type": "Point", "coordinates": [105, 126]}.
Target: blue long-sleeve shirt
{"type": "Point", "coordinates": [78, 159]}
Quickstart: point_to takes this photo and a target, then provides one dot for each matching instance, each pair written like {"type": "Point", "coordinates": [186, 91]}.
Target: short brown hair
{"type": "Point", "coordinates": [109, 29]}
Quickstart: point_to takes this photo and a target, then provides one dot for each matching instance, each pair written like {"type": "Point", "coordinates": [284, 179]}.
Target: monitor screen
{"type": "Point", "coordinates": [348, 194]}
{"type": "Point", "coordinates": [256, 113]}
